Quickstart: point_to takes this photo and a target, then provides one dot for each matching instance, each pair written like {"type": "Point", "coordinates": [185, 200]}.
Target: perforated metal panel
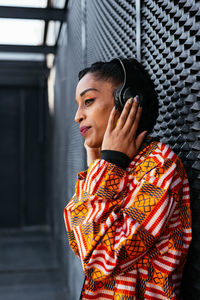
{"type": "Point", "coordinates": [111, 29]}
{"type": "Point", "coordinates": [171, 54]}
{"type": "Point", "coordinates": [170, 51]}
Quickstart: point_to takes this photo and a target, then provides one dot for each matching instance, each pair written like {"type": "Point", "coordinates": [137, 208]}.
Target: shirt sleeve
{"type": "Point", "coordinates": [116, 157]}
{"type": "Point", "coordinates": [113, 220]}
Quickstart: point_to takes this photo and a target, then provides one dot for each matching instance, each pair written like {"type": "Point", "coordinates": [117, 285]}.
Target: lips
{"type": "Point", "coordinates": [84, 129]}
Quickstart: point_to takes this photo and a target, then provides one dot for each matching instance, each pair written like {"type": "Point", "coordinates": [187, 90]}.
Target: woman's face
{"type": "Point", "coordinates": [95, 102]}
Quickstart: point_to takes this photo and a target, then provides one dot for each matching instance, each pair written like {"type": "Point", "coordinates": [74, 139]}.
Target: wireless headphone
{"type": "Point", "coordinates": [124, 92]}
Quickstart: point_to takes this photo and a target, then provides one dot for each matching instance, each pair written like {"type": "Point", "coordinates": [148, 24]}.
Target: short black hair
{"type": "Point", "coordinates": [137, 78]}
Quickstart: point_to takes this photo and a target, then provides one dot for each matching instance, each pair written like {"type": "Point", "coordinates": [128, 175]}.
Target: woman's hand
{"type": "Point", "coordinates": [122, 137]}
{"type": "Point", "coordinates": [92, 153]}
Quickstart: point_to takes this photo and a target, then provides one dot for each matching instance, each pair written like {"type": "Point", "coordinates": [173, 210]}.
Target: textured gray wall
{"type": "Point", "coordinates": [166, 35]}
{"type": "Point", "coordinates": [68, 153]}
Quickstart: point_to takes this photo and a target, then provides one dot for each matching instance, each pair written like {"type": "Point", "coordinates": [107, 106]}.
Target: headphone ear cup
{"type": "Point", "coordinates": [117, 98]}
{"type": "Point", "coordinates": [121, 96]}
{"type": "Point", "coordinates": [126, 94]}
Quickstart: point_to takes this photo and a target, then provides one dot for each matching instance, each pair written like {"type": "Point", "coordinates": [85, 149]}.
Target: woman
{"type": "Point", "coordinates": [129, 220]}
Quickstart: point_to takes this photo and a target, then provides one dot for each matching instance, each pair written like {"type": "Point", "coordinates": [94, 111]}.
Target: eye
{"type": "Point", "coordinates": [89, 101]}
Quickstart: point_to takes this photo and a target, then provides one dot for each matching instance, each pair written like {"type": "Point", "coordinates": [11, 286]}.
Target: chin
{"type": "Point", "coordinates": [94, 144]}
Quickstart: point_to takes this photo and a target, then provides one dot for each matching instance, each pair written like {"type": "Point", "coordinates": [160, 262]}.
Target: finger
{"type": "Point", "coordinates": [125, 113]}
{"type": "Point", "coordinates": [132, 115]}
{"type": "Point", "coordinates": [114, 115]}
{"type": "Point", "coordinates": [136, 122]}
{"type": "Point", "coordinates": [139, 140]}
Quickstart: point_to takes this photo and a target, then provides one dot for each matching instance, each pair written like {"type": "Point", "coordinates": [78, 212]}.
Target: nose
{"type": "Point", "coordinates": [79, 116]}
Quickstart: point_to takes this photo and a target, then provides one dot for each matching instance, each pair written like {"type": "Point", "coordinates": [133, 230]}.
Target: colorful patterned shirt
{"type": "Point", "coordinates": [132, 228]}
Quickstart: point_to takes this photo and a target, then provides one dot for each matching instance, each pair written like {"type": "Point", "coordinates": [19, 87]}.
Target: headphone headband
{"type": "Point", "coordinates": [123, 92]}
{"type": "Point", "coordinates": [123, 85]}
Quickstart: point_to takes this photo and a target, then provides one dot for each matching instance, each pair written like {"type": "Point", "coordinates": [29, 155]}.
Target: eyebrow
{"type": "Point", "coordinates": [87, 90]}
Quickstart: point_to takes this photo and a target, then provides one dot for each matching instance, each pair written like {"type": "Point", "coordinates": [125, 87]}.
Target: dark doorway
{"type": "Point", "coordinates": [22, 150]}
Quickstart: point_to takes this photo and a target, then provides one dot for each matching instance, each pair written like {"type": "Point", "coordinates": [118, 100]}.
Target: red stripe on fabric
{"type": "Point", "coordinates": [124, 292]}
{"type": "Point", "coordinates": [111, 218]}
{"type": "Point", "coordinates": [187, 234]}
{"type": "Point", "coordinates": [156, 159]}
{"type": "Point", "coordinates": [111, 254]}
{"type": "Point", "coordinates": [99, 179]}
{"type": "Point", "coordinates": [93, 174]}
{"type": "Point", "coordinates": [128, 275]}
{"type": "Point", "coordinates": [174, 256]}
{"type": "Point", "coordinates": [70, 205]}
{"type": "Point", "coordinates": [98, 204]}
{"type": "Point", "coordinates": [103, 265]}
{"type": "Point", "coordinates": [158, 220]}
{"type": "Point", "coordinates": [128, 199]}
{"type": "Point", "coordinates": [172, 154]}
{"type": "Point", "coordinates": [80, 248]}
{"type": "Point", "coordinates": [83, 239]}
{"type": "Point", "coordinates": [95, 258]}
{"type": "Point", "coordinates": [175, 226]}
{"type": "Point", "coordinates": [166, 262]}
{"type": "Point", "coordinates": [168, 178]}
{"type": "Point", "coordinates": [104, 248]}
{"type": "Point", "coordinates": [154, 210]}
{"type": "Point", "coordinates": [186, 242]}
{"type": "Point", "coordinates": [162, 245]}
{"type": "Point", "coordinates": [186, 193]}
{"type": "Point", "coordinates": [77, 189]}
{"type": "Point", "coordinates": [186, 201]}
{"type": "Point", "coordinates": [127, 283]}
{"type": "Point", "coordinates": [177, 186]}
{"type": "Point", "coordinates": [93, 208]}
{"type": "Point", "coordinates": [105, 296]}
{"type": "Point", "coordinates": [66, 220]}
{"type": "Point", "coordinates": [167, 152]}
{"type": "Point", "coordinates": [157, 267]}
{"type": "Point", "coordinates": [155, 181]}
{"type": "Point", "coordinates": [154, 290]}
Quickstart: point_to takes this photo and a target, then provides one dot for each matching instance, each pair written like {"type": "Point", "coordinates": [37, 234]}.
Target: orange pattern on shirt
{"type": "Point", "coordinates": [132, 228]}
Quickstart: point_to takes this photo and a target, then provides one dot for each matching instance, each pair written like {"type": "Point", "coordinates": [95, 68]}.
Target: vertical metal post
{"type": "Point", "coordinates": [138, 29]}
{"type": "Point", "coordinates": [84, 47]}
{"type": "Point", "coordinates": [83, 32]}
{"type": "Point", "coordinates": [22, 158]}
{"type": "Point", "coordinates": [41, 114]}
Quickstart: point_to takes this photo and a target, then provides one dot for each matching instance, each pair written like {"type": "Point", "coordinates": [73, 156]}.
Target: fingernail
{"type": "Point", "coordinates": [136, 99]}
{"type": "Point", "coordinates": [130, 100]}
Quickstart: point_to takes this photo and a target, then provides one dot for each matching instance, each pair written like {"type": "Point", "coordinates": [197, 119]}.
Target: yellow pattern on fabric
{"type": "Point", "coordinates": [130, 244]}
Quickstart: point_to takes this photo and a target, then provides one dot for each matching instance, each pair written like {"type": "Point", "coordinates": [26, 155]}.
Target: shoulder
{"type": "Point", "coordinates": [160, 153]}
{"type": "Point", "coordinates": [166, 152]}
{"type": "Point", "coordinates": [168, 157]}
{"type": "Point", "coordinates": [157, 160]}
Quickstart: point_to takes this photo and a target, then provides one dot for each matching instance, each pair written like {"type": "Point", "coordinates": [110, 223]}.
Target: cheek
{"type": "Point", "coordinates": [106, 112]}
{"type": "Point", "coordinates": [101, 114]}
{"type": "Point", "coordinates": [103, 118]}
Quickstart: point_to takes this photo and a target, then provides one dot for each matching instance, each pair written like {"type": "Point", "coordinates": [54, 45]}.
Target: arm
{"type": "Point", "coordinates": [120, 135]}
{"type": "Point", "coordinates": [111, 232]}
